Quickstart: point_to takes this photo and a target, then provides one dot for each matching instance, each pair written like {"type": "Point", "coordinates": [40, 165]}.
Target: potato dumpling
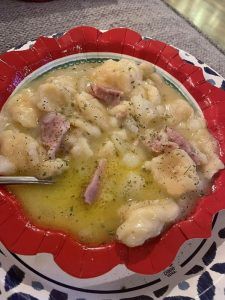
{"type": "Point", "coordinates": [21, 149]}
{"type": "Point", "coordinates": [179, 110]}
{"type": "Point", "coordinates": [117, 74]}
{"type": "Point", "coordinates": [175, 171]}
{"type": "Point", "coordinates": [148, 91]}
{"type": "Point", "coordinates": [143, 111]}
{"type": "Point", "coordinates": [145, 220]}
{"type": "Point", "coordinates": [22, 109]}
{"type": "Point", "coordinates": [6, 166]}
{"type": "Point", "coordinates": [56, 93]}
{"type": "Point", "coordinates": [92, 110]}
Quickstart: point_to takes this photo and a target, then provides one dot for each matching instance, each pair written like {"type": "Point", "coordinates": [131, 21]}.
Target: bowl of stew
{"type": "Point", "coordinates": [133, 137]}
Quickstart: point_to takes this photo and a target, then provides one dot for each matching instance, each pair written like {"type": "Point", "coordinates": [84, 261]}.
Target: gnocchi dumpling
{"type": "Point", "coordinates": [119, 139]}
{"type": "Point", "coordinates": [21, 108]}
{"type": "Point", "coordinates": [143, 111]}
{"type": "Point", "coordinates": [147, 69]}
{"type": "Point", "coordinates": [131, 160]}
{"type": "Point", "coordinates": [86, 126]}
{"type": "Point", "coordinates": [81, 148]}
{"type": "Point", "coordinates": [6, 166]}
{"type": "Point", "coordinates": [147, 90]}
{"type": "Point", "coordinates": [121, 110]}
{"type": "Point", "coordinates": [56, 93]}
{"type": "Point", "coordinates": [213, 165]}
{"type": "Point", "coordinates": [120, 75]}
{"type": "Point", "coordinates": [51, 168]}
{"type": "Point", "coordinates": [175, 171]}
{"type": "Point", "coordinates": [209, 148]}
{"type": "Point", "coordinates": [107, 150]}
{"type": "Point", "coordinates": [92, 110]}
{"type": "Point", "coordinates": [21, 149]}
{"type": "Point", "coordinates": [179, 110]}
{"type": "Point", "coordinates": [145, 220]}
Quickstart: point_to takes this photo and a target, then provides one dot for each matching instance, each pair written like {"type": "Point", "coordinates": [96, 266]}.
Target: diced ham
{"type": "Point", "coordinates": [170, 139]}
{"type": "Point", "coordinates": [93, 188]}
{"type": "Point", "coordinates": [107, 96]}
{"type": "Point", "coordinates": [158, 142]}
{"type": "Point", "coordinates": [158, 146]}
{"type": "Point", "coordinates": [53, 128]}
{"type": "Point", "coordinates": [176, 137]}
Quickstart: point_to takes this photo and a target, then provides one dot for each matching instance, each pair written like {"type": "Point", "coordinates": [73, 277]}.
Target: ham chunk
{"type": "Point", "coordinates": [176, 137]}
{"type": "Point", "coordinates": [170, 139]}
{"type": "Point", "coordinates": [157, 142]}
{"type": "Point", "coordinates": [108, 96]}
{"type": "Point", "coordinates": [53, 128]}
{"type": "Point", "coordinates": [158, 147]}
{"type": "Point", "coordinates": [92, 189]}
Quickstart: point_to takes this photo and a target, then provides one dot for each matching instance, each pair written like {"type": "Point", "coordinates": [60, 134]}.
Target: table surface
{"type": "Point", "coordinates": [22, 21]}
{"type": "Point", "coordinates": [207, 15]}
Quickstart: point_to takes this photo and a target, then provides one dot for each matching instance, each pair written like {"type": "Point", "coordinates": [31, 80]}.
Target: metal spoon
{"type": "Point", "coordinates": [8, 180]}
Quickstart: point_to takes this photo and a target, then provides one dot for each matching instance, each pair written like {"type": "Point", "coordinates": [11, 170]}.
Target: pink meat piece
{"type": "Point", "coordinates": [93, 188]}
{"type": "Point", "coordinates": [107, 96]}
{"type": "Point", "coordinates": [53, 128]}
{"type": "Point", "coordinates": [158, 143]}
{"type": "Point", "coordinates": [157, 146]}
{"type": "Point", "coordinates": [177, 138]}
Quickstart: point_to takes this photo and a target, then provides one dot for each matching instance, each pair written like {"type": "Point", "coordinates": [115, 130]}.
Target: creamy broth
{"type": "Point", "coordinates": [135, 186]}
{"type": "Point", "coordinates": [62, 207]}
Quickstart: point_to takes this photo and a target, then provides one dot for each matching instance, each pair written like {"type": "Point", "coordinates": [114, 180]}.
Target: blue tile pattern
{"type": "Point", "coordinates": [210, 71]}
{"type": "Point", "coordinates": [178, 298]}
{"type": "Point", "coordinates": [219, 268]}
{"type": "Point", "coordinates": [194, 270]}
{"type": "Point", "coordinates": [210, 255]}
{"type": "Point", "coordinates": [21, 296]}
{"type": "Point", "coordinates": [222, 233]}
{"type": "Point", "coordinates": [13, 277]}
{"type": "Point", "coordinates": [183, 285]}
{"type": "Point", "coordinates": [205, 287]}
{"type": "Point", "coordinates": [37, 285]}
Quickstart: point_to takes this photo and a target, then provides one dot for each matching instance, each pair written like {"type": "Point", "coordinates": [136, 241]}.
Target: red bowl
{"type": "Point", "coordinates": [16, 231]}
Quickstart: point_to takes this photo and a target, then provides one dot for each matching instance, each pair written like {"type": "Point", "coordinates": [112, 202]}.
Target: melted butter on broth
{"type": "Point", "coordinates": [61, 206]}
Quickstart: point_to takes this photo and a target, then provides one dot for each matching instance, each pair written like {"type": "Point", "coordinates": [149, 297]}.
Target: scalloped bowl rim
{"type": "Point", "coordinates": [78, 259]}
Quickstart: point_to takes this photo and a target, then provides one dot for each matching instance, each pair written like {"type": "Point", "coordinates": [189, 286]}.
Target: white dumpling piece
{"type": "Point", "coordinates": [85, 126]}
{"type": "Point", "coordinates": [147, 69]}
{"type": "Point", "coordinates": [81, 148]}
{"type": "Point", "coordinates": [120, 111]}
{"type": "Point", "coordinates": [119, 139]}
{"type": "Point", "coordinates": [92, 110]}
{"type": "Point", "coordinates": [145, 220]}
{"type": "Point", "coordinates": [21, 109]}
{"type": "Point", "coordinates": [148, 91]}
{"type": "Point", "coordinates": [120, 75]}
{"type": "Point", "coordinates": [209, 147]}
{"type": "Point", "coordinates": [50, 168]}
{"type": "Point", "coordinates": [143, 110]}
{"type": "Point", "coordinates": [107, 150]}
{"type": "Point", "coordinates": [179, 110]}
{"type": "Point", "coordinates": [175, 171]}
{"type": "Point", "coordinates": [56, 93]}
{"type": "Point", "coordinates": [131, 160]}
{"type": "Point", "coordinates": [21, 149]}
{"type": "Point", "coordinates": [6, 166]}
